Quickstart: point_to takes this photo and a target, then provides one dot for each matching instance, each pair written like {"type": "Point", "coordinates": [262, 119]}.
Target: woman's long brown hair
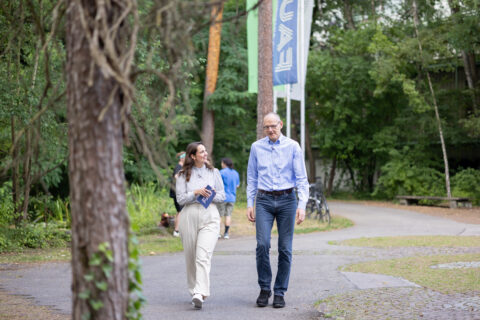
{"type": "Point", "coordinates": [189, 162]}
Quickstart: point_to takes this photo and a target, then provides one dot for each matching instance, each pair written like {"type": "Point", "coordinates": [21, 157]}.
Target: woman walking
{"type": "Point", "coordinates": [199, 226]}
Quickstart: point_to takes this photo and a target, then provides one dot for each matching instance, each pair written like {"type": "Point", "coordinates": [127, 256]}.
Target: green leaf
{"type": "Point", "coordinates": [96, 304]}
{"type": "Point", "coordinates": [95, 260]}
{"type": "Point", "coordinates": [89, 277]}
{"type": "Point", "coordinates": [84, 294]}
{"type": "Point", "coordinates": [107, 270]}
{"type": "Point", "coordinates": [102, 285]}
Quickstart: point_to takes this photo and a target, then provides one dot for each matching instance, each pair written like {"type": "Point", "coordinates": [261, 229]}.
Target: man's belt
{"type": "Point", "coordinates": [276, 192]}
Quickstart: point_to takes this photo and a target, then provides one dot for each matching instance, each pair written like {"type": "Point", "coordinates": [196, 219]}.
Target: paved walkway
{"type": "Point", "coordinates": [234, 289]}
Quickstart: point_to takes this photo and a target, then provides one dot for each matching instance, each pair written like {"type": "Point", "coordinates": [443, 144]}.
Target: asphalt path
{"type": "Point", "coordinates": [234, 288]}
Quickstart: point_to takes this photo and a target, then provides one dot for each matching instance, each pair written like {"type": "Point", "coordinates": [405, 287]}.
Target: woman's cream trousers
{"type": "Point", "coordinates": [199, 229]}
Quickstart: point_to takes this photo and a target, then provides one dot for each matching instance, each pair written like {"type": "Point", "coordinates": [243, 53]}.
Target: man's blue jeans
{"type": "Point", "coordinates": [283, 209]}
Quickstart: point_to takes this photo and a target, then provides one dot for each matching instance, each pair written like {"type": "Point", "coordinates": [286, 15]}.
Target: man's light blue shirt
{"type": "Point", "coordinates": [274, 166]}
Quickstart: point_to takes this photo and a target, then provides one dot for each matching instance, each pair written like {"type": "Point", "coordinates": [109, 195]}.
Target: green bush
{"type": "Point", "coordinates": [7, 215]}
{"type": "Point", "coordinates": [401, 176]}
{"type": "Point", "coordinates": [45, 208]}
{"type": "Point", "coordinates": [33, 236]}
{"type": "Point", "coordinates": [466, 183]}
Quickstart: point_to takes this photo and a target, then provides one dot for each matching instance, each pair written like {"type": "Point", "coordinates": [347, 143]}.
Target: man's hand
{"type": "Point", "coordinates": [251, 214]}
{"type": "Point", "coordinates": [300, 215]}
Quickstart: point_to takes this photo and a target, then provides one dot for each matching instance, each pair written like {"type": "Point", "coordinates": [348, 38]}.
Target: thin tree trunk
{"type": "Point", "coordinates": [15, 182]}
{"type": "Point", "coordinates": [213, 59]}
{"type": "Point", "coordinates": [27, 164]}
{"type": "Point", "coordinates": [434, 99]}
{"type": "Point", "coordinates": [31, 145]}
{"type": "Point", "coordinates": [331, 176]}
{"type": "Point", "coordinates": [348, 13]}
{"type": "Point", "coordinates": [96, 177]}
{"type": "Point", "coordinates": [265, 68]}
{"type": "Point", "coordinates": [295, 122]}
{"type": "Point", "coordinates": [469, 65]}
{"type": "Point", "coordinates": [310, 155]}
{"type": "Point", "coordinates": [352, 175]}
{"type": "Point", "coordinates": [374, 12]}
{"type": "Point", "coordinates": [16, 161]}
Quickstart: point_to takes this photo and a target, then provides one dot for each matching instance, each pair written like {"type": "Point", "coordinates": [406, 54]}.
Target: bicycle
{"type": "Point", "coordinates": [317, 206]}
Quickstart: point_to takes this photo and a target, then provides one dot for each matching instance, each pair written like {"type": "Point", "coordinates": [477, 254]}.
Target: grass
{"type": "Point", "coordinates": [242, 227]}
{"type": "Point", "coordinates": [151, 244]}
{"type": "Point", "coordinates": [417, 270]}
{"type": "Point", "coordinates": [154, 245]}
{"type": "Point", "coordinates": [145, 205]}
{"type": "Point", "coordinates": [412, 241]}
{"type": "Point", "coordinates": [36, 255]}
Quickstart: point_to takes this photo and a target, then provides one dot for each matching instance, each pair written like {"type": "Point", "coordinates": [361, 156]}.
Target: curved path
{"type": "Point", "coordinates": [233, 276]}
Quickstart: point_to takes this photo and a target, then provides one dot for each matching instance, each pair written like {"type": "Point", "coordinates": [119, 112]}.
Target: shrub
{"type": "Point", "coordinates": [466, 183]}
{"type": "Point", "coordinates": [401, 176]}
{"type": "Point", "coordinates": [7, 215]}
{"type": "Point", "coordinates": [45, 208]}
{"type": "Point", "coordinates": [33, 236]}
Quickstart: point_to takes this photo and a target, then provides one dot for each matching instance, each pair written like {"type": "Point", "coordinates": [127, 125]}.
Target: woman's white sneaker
{"type": "Point", "coordinates": [197, 301]}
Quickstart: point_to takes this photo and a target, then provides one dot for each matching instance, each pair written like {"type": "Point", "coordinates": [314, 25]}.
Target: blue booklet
{"type": "Point", "coordinates": [206, 201]}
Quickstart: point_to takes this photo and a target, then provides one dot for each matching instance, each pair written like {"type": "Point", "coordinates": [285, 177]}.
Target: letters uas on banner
{"type": "Point", "coordinates": [285, 43]}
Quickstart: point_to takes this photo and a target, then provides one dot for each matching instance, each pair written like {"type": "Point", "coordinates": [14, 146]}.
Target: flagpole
{"type": "Point", "coordinates": [289, 111]}
{"type": "Point", "coordinates": [302, 75]}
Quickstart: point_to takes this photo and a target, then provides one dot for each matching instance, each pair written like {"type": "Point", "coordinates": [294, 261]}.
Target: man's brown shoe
{"type": "Point", "coordinates": [262, 300]}
{"type": "Point", "coordinates": [278, 302]}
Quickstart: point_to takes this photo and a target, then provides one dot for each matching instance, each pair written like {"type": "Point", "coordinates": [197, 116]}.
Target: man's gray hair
{"type": "Point", "coordinates": [274, 115]}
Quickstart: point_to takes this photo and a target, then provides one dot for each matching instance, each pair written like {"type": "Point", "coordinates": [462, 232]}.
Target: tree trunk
{"type": "Point", "coordinates": [15, 183]}
{"type": "Point", "coordinates": [213, 59]}
{"type": "Point", "coordinates": [469, 64]}
{"type": "Point", "coordinates": [374, 11]}
{"type": "Point", "coordinates": [96, 177]}
{"type": "Point", "coordinates": [434, 99]}
{"type": "Point", "coordinates": [331, 176]}
{"type": "Point", "coordinates": [352, 175]}
{"type": "Point", "coordinates": [31, 143]}
{"type": "Point", "coordinates": [348, 14]}
{"type": "Point", "coordinates": [310, 156]}
{"type": "Point", "coordinates": [27, 181]}
{"type": "Point", "coordinates": [295, 122]}
{"type": "Point", "coordinates": [265, 68]}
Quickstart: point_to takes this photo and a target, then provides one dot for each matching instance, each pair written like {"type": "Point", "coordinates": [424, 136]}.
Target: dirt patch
{"type": "Point", "coordinates": [460, 214]}
{"type": "Point", "coordinates": [15, 307]}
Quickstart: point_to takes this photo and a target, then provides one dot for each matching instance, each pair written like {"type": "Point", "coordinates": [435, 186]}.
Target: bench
{"type": "Point", "coordinates": [454, 202]}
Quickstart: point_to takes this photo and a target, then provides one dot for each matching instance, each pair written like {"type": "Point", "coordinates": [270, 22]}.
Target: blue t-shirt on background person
{"type": "Point", "coordinates": [231, 181]}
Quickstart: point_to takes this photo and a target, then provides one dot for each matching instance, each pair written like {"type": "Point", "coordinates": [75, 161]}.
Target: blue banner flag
{"type": "Point", "coordinates": [285, 43]}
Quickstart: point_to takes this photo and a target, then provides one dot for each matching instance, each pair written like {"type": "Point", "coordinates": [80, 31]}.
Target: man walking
{"type": "Point", "coordinates": [275, 167]}
{"type": "Point", "coordinates": [231, 181]}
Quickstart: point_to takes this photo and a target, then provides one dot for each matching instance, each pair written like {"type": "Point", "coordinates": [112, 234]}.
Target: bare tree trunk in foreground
{"type": "Point", "coordinates": [97, 193]}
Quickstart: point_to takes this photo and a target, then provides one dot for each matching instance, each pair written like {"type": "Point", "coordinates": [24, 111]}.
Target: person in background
{"type": "Point", "coordinates": [181, 159]}
{"type": "Point", "coordinates": [198, 226]}
{"type": "Point", "coordinates": [275, 168]}
{"type": "Point", "coordinates": [231, 181]}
